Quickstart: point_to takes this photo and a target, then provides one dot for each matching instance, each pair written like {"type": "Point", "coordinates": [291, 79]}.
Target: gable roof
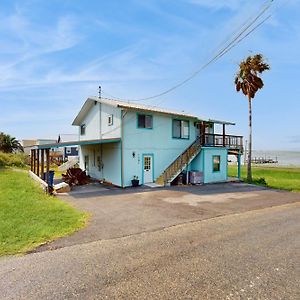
{"type": "Point", "coordinates": [137, 107]}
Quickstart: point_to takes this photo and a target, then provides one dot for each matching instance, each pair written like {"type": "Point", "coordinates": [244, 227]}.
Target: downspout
{"type": "Point", "coordinates": [123, 114]}
{"type": "Point", "coordinates": [100, 137]}
{"type": "Point", "coordinates": [100, 120]}
{"type": "Point", "coordinates": [122, 148]}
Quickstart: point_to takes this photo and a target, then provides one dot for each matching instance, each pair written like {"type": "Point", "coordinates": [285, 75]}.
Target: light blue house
{"type": "Point", "coordinates": [119, 141]}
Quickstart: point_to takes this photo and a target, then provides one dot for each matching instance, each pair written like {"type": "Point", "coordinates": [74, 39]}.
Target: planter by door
{"type": "Point", "coordinates": [135, 182]}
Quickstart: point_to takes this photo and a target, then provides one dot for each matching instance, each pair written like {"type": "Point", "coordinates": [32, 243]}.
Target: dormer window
{"type": "Point", "coordinates": [82, 129]}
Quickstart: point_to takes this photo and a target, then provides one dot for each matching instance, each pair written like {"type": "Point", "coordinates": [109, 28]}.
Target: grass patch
{"type": "Point", "coordinates": [283, 178]}
{"type": "Point", "coordinates": [29, 217]}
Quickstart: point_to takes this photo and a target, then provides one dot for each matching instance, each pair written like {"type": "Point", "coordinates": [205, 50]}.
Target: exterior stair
{"type": "Point", "coordinates": [176, 167]}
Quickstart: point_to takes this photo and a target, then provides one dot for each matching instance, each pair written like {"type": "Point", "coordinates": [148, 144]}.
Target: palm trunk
{"type": "Point", "coordinates": [249, 171]}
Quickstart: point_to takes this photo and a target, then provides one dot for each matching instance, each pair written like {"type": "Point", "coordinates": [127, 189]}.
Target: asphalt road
{"type": "Point", "coordinates": [249, 255]}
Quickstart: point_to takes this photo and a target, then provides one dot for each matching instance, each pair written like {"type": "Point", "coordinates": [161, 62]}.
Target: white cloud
{"type": "Point", "coordinates": [218, 4]}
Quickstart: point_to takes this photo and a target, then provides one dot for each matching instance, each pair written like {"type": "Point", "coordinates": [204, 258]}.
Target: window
{"type": "Point", "coordinates": [110, 120]}
{"type": "Point", "coordinates": [181, 129]}
{"type": "Point", "coordinates": [144, 121]}
{"type": "Point", "coordinates": [216, 163]}
{"type": "Point", "coordinates": [82, 129]}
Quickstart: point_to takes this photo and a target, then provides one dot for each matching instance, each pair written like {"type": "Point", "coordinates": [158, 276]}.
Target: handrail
{"type": "Point", "coordinates": [190, 146]}
{"type": "Point", "coordinates": [220, 134]}
{"type": "Point", "coordinates": [220, 140]}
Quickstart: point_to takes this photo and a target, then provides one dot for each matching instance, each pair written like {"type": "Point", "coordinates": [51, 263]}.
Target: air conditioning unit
{"type": "Point", "coordinates": [196, 177]}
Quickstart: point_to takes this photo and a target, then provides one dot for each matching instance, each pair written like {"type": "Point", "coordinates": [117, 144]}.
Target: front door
{"type": "Point", "coordinates": [148, 168]}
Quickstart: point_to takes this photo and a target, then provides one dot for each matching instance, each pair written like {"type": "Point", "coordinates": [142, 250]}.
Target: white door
{"type": "Point", "coordinates": [148, 168]}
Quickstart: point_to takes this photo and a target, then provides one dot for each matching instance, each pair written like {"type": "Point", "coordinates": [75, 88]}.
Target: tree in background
{"type": "Point", "coordinates": [9, 144]}
{"type": "Point", "coordinates": [249, 82]}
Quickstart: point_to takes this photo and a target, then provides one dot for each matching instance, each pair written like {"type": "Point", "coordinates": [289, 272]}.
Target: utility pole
{"type": "Point", "coordinates": [99, 96]}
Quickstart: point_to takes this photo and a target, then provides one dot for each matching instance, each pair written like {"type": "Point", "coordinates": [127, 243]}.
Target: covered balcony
{"type": "Point", "coordinates": [232, 142]}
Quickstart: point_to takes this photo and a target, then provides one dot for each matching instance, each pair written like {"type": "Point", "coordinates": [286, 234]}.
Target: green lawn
{"type": "Point", "coordinates": [276, 177]}
{"type": "Point", "coordinates": [29, 217]}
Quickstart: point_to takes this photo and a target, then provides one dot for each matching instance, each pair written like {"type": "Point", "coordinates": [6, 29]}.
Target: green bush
{"type": "Point", "coordinates": [13, 159]}
{"type": "Point", "coordinates": [259, 181]}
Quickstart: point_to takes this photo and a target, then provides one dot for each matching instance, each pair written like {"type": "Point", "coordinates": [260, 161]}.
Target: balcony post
{"type": "Point", "coordinates": [223, 135]}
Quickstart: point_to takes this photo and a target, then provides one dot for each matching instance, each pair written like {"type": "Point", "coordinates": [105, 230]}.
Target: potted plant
{"type": "Point", "coordinates": [135, 181]}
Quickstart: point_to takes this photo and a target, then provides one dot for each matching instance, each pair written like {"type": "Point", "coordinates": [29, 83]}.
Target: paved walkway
{"type": "Point", "coordinates": [117, 213]}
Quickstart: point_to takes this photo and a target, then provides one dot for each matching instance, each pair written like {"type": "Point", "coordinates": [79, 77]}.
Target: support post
{"type": "Point", "coordinates": [239, 166]}
{"type": "Point", "coordinates": [34, 161]}
{"type": "Point", "coordinates": [38, 162]}
{"type": "Point", "coordinates": [202, 130]}
{"type": "Point", "coordinates": [47, 165]}
{"type": "Point", "coordinates": [224, 135]}
{"type": "Point", "coordinates": [31, 160]}
{"type": "Point", "coordinates": [42, 162]}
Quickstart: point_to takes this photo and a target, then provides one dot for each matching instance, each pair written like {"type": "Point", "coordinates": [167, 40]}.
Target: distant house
{"type": "Point", "coordinates": [119, 141]}
{"type": "Point", "coordinates": [32, 143]}
{"type": "Point", "coordinates": [59, 151]}
{"type": "Point", "coordinates": [68, 151]}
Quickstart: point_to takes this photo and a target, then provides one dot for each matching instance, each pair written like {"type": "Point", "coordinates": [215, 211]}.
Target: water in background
{"type": "Point", "coordinates": [284, 158]}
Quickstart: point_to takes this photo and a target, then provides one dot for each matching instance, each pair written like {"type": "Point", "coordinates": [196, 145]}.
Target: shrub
{"type": "Point", "coordinates": [259, 181]}
{"type": "Point", "coordinates": [13, 159]}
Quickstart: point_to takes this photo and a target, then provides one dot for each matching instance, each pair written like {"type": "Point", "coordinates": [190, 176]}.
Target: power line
{"type": "Point", "coordinates": [222, 53]}
{"type": "Point", "coordinates": [231, 43]}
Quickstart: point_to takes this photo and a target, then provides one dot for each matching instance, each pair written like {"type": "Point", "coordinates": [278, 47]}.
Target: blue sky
{"type": "Point", "coordinates": [54, 54]}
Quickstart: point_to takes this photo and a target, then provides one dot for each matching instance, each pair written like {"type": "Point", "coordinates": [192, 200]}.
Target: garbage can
{"type": "Point", "coordinates": [51, 177]}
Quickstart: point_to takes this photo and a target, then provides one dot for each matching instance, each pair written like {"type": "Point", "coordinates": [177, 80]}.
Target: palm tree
{"type": "Point", "coordinates": [9, 144]}
{"type": "Point", "coordinates": [249, 82]}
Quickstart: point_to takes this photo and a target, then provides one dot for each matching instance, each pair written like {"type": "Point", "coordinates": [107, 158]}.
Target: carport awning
{"type": "Point", "coordinates": [78, 143]}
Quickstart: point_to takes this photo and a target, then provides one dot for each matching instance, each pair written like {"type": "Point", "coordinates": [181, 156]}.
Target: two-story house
{"type": "Point", "coordinates": [120, 140]}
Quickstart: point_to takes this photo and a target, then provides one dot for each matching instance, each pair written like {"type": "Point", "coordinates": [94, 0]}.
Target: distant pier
{"type": "Point", "coordinates": [264, 160]}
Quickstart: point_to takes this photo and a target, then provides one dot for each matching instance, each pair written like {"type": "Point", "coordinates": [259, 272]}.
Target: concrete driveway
{"type": "Point", "coordinates": [118, 213]}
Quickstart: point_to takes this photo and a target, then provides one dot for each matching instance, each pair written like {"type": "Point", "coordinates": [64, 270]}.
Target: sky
{"type": "Point", "coordinates": [54, 54]}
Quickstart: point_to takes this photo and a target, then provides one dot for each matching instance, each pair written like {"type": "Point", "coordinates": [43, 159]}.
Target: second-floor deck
{"type": "Point", "coordinates": [232, 142]}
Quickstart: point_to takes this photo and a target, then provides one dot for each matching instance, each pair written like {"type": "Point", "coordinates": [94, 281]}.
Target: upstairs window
{"type": "Point", "coordinates": [216, 163]}
{"type": "Point", "coordinates": [144, 121]}
{"type": "Point", "coordinates": [110, 120]}
{"type": "Point", "coordinates": [82, 129]}
{"type": "Point", "coordinates": [181, 129]}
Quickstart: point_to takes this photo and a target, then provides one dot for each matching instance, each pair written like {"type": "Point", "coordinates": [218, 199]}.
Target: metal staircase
{"type": "Point", "coordinates": [176, 167]}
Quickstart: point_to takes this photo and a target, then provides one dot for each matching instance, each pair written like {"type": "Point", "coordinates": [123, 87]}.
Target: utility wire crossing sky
{"type": "Point", "coordinates": [55, 54]}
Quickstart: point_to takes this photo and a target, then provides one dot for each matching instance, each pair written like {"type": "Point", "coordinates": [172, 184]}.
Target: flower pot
{"type": "Point", "coordinates": [135, 182]}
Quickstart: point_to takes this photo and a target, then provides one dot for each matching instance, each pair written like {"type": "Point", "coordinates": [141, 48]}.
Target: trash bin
{"type": "Point", "coordinates": [51, 177]}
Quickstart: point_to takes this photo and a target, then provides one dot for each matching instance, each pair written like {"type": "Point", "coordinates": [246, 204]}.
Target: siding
{"type": "Point", "coordinates": [157, 141]}
{"type": "Point", "coordinates": [204, 162]}
{"type": "Point", "coordinates": [109, 156]}
{"type": "Point", "coordinates": [96, 122]}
